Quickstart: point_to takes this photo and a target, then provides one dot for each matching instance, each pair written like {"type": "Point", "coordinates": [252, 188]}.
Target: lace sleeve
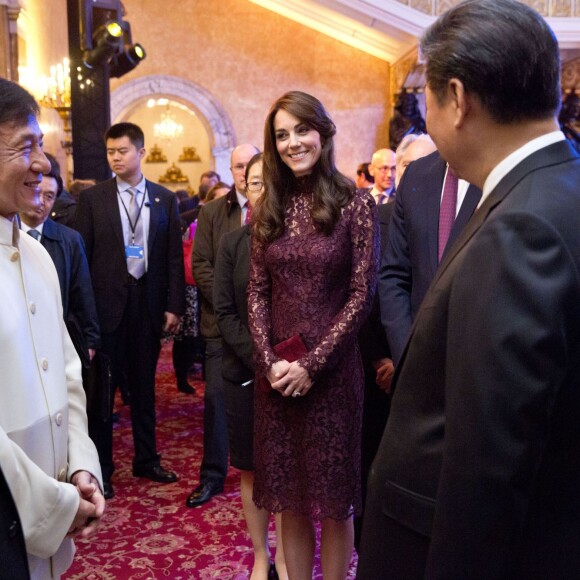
{"type": "Point", "coordinates": [259, 309]}
{"type": "Point", "coordinates": [343, 330]}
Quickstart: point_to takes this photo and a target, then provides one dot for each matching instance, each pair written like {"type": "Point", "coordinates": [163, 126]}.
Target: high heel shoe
{"type": "Point", "coordinates": [272, 574]}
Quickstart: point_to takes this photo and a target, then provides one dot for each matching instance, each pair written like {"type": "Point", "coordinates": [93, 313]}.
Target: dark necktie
{"type": "Point", "coordinates": [248, 218]}
{"type": "Point", "coordinates": [35, 234]}
{"type": "Point", "coordinates": [136, 266]}
{"type": "Point", "coordinates": [447, 210]}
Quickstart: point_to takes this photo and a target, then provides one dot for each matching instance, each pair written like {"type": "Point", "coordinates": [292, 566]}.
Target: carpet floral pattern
{"type": "Point", "coordinates": [147, 532]}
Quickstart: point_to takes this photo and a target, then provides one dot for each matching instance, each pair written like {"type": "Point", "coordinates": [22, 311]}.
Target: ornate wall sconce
{"type": "Point", "coordinates": [173, 175]}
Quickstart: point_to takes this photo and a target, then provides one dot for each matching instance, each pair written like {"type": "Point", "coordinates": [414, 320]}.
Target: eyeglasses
{"type": "Point", "coordinates": [385, 168]}
{"type": "Point", "coordinates": [239, 167]}
{"type": "Point", "coordinates": [254, 185]}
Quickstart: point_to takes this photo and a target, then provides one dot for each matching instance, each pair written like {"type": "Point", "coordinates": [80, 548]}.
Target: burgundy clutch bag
{"type": "Point", "coordinates": [291, 350]}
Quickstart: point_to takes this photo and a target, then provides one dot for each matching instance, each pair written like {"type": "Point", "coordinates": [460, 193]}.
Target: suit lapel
{"type": "Point", "coordinates": [50, 231]}
{"type": "Point", "coordinates": [472, 197]}
{"type": "Point", "coordinates": [111, 204]}
{"type": "Point", "coordinates": [154, 215]}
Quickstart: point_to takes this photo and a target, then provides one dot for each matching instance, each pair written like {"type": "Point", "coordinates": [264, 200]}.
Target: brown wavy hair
{"type": "Point", "coordinates": [332, 190]}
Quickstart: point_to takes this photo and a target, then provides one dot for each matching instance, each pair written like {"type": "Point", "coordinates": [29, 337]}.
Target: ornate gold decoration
{"type": "Point", "coordinates": [53, 92]}
{"type": "Point", "coordinates": [189, 154]}
{"type": "Point", "coordinates": [173, 175]}
{"type": "Point", "coordinates": [156, 155]}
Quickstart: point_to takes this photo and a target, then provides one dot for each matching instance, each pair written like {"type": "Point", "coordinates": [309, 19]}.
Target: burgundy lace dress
{"type": "Point", "coordinates": [307, 449]}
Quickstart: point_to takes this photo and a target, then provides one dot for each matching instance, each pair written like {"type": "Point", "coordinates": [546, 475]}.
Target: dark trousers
{"type": "Point", "coordinates": [183, 354]}
{"type": "Point", "coordinates": [376, 407]}
{"type": "Point", "coordinates": [214, 465]}
{"type": "Point", "coordinates": [388, 550]}
{"type": "Point", "coordinates": [133, 350]}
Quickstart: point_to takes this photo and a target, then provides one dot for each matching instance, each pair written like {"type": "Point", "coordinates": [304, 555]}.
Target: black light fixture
{"type": "Point", "coordinates": [125, 62]}
{"type": "Point", "coordinates": [107, 41]}
{"type": "Point", "coordinates": [129, 56]}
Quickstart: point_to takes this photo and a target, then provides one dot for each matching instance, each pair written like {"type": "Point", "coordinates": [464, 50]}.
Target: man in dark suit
{"type": "Point", "coordinates": [478, 474]}
{"type": "Point", "coordinates": [412, 254]}
{"type": "Point", "coordinates": [67, 250]}
{"type": "Point", "coordinates": [378, 372]}
{"type": "Point", "coordinates": [132, 236]}
{"type": "Point", "coordinates": [215, 219]}
{"type": "Point", "coordinates": [13, 559]}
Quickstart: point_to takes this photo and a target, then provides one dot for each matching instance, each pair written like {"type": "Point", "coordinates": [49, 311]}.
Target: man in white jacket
{"type": "Point", "coordinates": [47, 458]}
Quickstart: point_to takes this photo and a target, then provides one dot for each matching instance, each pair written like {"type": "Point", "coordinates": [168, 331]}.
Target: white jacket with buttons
{"type": "Point", "coordinates": [43, 424]}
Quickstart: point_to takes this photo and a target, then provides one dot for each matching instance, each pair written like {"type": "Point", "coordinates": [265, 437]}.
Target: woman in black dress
{"type": "Point", "coordinates": [231, 308]}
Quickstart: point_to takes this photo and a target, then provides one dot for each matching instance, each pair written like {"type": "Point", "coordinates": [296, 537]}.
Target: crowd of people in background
{"type": "Point", "coordinates": [394, 356]}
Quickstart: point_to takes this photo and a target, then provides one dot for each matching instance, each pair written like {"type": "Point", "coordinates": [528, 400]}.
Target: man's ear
{"type": "Point", "coordinates": [460, 101]}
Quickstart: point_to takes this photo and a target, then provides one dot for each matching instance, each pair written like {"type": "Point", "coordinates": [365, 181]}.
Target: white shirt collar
{"type": "Point", "coordinates": [515, 158]}
{"type": "Point", "coordinates": [25, 227]}
{"type": "Point", "coordinates": [242, 199]}
{"type": "Point", "coordinates": [123, 186]}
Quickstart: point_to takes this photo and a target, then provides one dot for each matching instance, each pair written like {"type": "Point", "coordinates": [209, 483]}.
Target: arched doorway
{"type": "Point", "coordinates": [132, 96]}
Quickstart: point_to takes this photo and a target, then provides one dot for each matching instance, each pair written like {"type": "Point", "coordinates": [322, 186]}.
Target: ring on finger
{"type": "Point", "coordinates": [295, 394]}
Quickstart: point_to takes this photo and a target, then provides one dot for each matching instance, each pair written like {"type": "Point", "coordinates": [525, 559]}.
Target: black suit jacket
{"type": "Point", "coordinates": [13, 559]}
{"type": "Point", "coordinates": [99, 222]}
{"type": "Point", "coordinates": [215, 218]}
{"type": "Point", "coordinates": [482, 445]}
{"type": "Point", "coordinates": [231, 304]}
{"type": "Point", "coordinates": [67, 250]}
{"type": "Point", "coordinates": [372, 337]}
{"type": "Point", "coordinates": [410, 260]}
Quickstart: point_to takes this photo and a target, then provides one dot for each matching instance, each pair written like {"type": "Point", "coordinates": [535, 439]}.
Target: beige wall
{"type": "Point", "coordinates": [246, 57]}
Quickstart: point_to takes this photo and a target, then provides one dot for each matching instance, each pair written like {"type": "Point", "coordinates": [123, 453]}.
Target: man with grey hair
{"type": "Point", "coordinates": [478, 475]}
{"type": "Point", "coordinates": [49, 463]}
{"type": "Point", "coordinates": [412, 147]}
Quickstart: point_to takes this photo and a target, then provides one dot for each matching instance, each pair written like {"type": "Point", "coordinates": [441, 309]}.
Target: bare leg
{"type": "Point", "coordinates": [336, 546]}
{"type": "Point", "coordinates": [257, 521]}
{"type": "Point", "coordinates": [299, 542]}
{"type": "Point", "coordinates": [280, 558]}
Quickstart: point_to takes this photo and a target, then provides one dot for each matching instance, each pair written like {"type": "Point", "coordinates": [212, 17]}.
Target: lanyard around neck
{"type": "Point", "coordinates": [133, 226]}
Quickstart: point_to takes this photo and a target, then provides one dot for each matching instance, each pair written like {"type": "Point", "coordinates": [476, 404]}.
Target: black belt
{"type": "Point", "coordinates": [132, 281]}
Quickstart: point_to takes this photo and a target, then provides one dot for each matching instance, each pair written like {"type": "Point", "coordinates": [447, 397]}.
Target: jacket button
{"type": "Point", "coordinates": [13, 529]}
{"type": "Point", "coordinates": [44, 364]}
{"type": "Point", "coordinates": [58, 419]}
{"type": "Point", "coordinates": [14, 256]}
{"type": "Point", "coordinates": [33, 308]}
{"type": "Point", "coordinates": [62, 475]}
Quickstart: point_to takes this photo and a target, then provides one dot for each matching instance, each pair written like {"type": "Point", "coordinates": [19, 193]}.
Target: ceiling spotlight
{"type": "Point", "coordinates": [107, 40]}
{"type": "Point", "coordinates": [127, 60]}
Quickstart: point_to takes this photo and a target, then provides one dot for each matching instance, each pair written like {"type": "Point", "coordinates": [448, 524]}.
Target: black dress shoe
{"type": "Point", "coordinates": [155, 473]}
{"type": "Point", "coordinates": [202, 493]}
{"type": "Point", "coordinates": [108, 491]}
{"type": "Point", "coordinates": [185, 388]}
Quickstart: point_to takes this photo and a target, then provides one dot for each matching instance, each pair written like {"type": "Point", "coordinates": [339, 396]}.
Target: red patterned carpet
{"type": "Point", "coordinates": [147, 532]}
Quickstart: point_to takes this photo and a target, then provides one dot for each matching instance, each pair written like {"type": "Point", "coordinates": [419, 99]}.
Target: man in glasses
{"type": "Point", "coordinates": [383, 168]}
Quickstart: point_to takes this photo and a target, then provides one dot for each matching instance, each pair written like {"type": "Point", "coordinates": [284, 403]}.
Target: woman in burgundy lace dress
{"type": "Point", "coordinates": [313, 273]}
